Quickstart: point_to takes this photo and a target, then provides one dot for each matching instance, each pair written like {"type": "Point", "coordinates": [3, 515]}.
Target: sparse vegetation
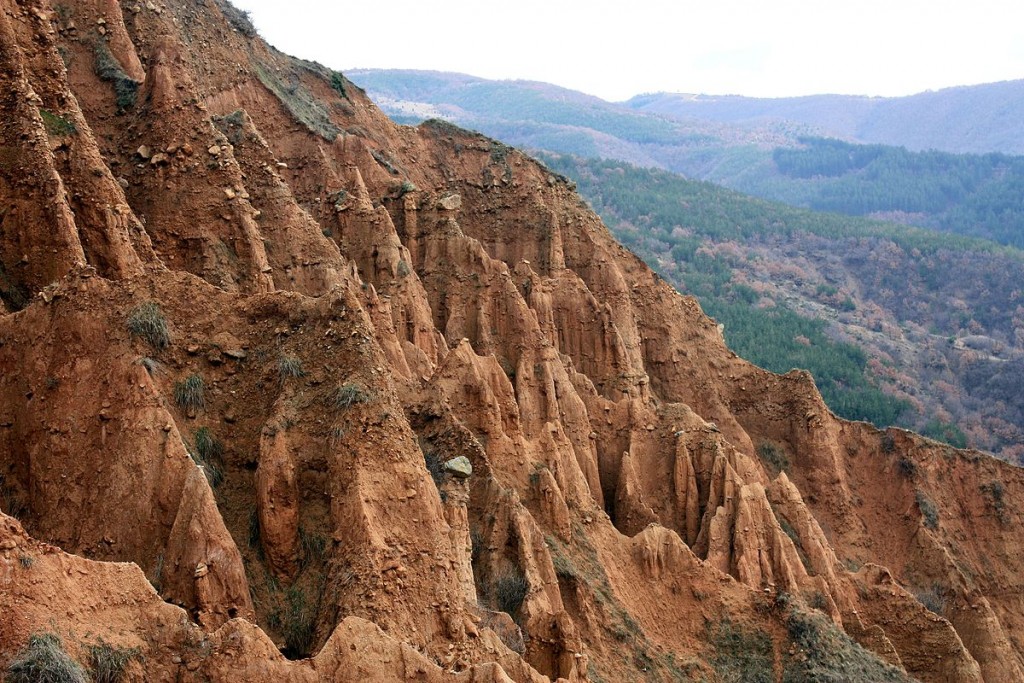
{"type": "Point", "coordinates": [290, 367]}
{"type": "Point", "coordinates": [510, 591]}
{"type": "Point", "coordinates": [288, 88]}
{"type": "Point", "coordinates": [772, 455]}
{"type": "Point", "coordinates": [907, 467]}
{"type": "Point", "coordinates": [26, 561]}
{"type": "Point", "coordinates": [932, 599]}
{"type": "Point", "coordinates": [824, 654]}
{"type": "Point", "coordinates": [564, 566]}
{"type": "Point", "coordinates": [109, 662]}
{"type": "Point", "coordinates": [742, 655]}
{"type": "Point", "coordinates": [403, 269]}
{"type": "Point", "coordinates": [298, 623]}
{"type": "Point", "coordinates": [56, 125]}
{"type": "Point", "coordinates": [994, 490]}
{"type": "Point", "coordinates": [240, 20]}
{"type": "Point", "coordinates": [314, 546]}
{"type": "Point", "coordinates": [148, 322]}
{"type": "Point", "coordinates": [158, 573]}
{"type": "Point", "coordinates": [384, 161]}
{"type": "Point", "coordinates": [338, 83]}
{"type": "Point", "coordinates": [405, 188]}
{"type": "Point", "coordinates": [10, 502]}
{"type": "Point", "coordinates": [109, 69]}
{"type": "Point", "coordinates": [255, 538]}
{"type": "Point", "coordinates": [44, 660]}
{"type": "Point", "coordinates": [151, 365]}
{"type": "Point", "coordinates": [929, 512]}
{"type": "Point", "coordinates": [189, 394]}
{"type": "Point", "coordinates": [888, 443]}
{"type": "Point", "coordinates": [434, 463]}
{"type": "Point", "coordinates": [209, 454]}
{"type": "Point", "coordinates": [476, 544]}
{"type": "Point", "coordinates": [12, 293]}
{"type": "Point", "coordinates": [350, 394]}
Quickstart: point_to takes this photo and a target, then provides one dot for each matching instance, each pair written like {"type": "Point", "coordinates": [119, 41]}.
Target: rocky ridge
{"type": "Point", "coordinates": [248, 321]}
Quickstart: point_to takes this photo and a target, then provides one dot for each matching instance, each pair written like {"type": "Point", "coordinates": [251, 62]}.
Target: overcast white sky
{"type": "Point", "coordinates": [766, 48]}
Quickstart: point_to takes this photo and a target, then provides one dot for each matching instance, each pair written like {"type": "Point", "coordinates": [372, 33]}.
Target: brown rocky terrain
{"type": "Point", "coordinates": [250, 328]}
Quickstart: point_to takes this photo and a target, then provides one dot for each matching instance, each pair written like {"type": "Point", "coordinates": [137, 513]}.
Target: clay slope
{"type": "Point", "coordinates": [289, 392]}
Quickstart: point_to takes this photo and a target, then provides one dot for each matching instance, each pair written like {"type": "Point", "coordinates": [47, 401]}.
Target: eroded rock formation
{"type": "Point", "coordinates": [247, 320]}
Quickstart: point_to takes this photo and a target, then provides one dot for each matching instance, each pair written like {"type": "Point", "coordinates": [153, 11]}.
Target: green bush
{"type": "Point", "coordinates": [338, 83]}
{"type": "Point", "coordinates": [109, 662]}
{"type": "Point", "coordinates": [109, 69]}
{"type": "Point", "coordinates": [290, 367]}
{"type": "Point", "coordinates": [148, 321]}
{"type": "Point", "coordinates": [209, 454]}
{"type": "Point", "coordinates": [929, 512]}
{"type": "Point", "coordinates": [932, 599]}
{"type": "Point", "coordinates": [405, 188]}
{"type": "Point", "coordinates": [995, 491]}
{"type": "Point", "coordinates": [946, 432]}
{"type": "Point", "coordinates": [298, 622]}
{"type": "Point", "coordinates": [773, 455]}
{"type": "Point", "coordinates": [350, 394]}
{"type": "Point", "coordinates": [510, 591]}
{"type": "Point", "coordinates": [189, 393]}
{"type": "Point", "coordinates": [240, 20]}
{"type": "Point", "coordinates": [44, 660]}
{"type": "Point", "coordinates": [741, 655]}
{"type": "Point", "coordinates": [56, 125]}
{"type": "Point", "coordinates": [824, 654]}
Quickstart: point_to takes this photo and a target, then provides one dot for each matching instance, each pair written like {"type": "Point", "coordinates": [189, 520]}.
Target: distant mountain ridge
{"type": "Point", "coordinates": [967, 119]}
{"type": "Point", "coordinates": [974, 119]}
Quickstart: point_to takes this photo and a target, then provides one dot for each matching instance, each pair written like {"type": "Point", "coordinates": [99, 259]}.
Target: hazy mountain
{"type": "Point", "coordinates": [978, 118]}
{"type": "Point", "coordinates": [544, 116]}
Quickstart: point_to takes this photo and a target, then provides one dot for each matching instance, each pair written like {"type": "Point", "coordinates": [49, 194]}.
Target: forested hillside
{"type": "Point", "coordinates": [974, 195]}
{"type": "Point", "coordinates": [898, 325]}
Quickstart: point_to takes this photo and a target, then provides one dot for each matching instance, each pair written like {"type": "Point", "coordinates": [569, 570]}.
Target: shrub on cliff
{"type": "Point", "coordinates": [209, 454]}
{"type": "Point", "coordinates": [824, 654]}
{"type": "Point", "coordinates": [109, 69]}
{"type": "Point", "coordinates": [148, 321]}
{"type": "Point", "coordinates": [189, 393]}
{"type": "Point", "coordinates": [350, 394]}
{"type": "Point", "coordinates": [510, 591]}
{"type": "Point", "coordinates": [109, 662]}
{"type": "Point", "coordinates": [44, 660]}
